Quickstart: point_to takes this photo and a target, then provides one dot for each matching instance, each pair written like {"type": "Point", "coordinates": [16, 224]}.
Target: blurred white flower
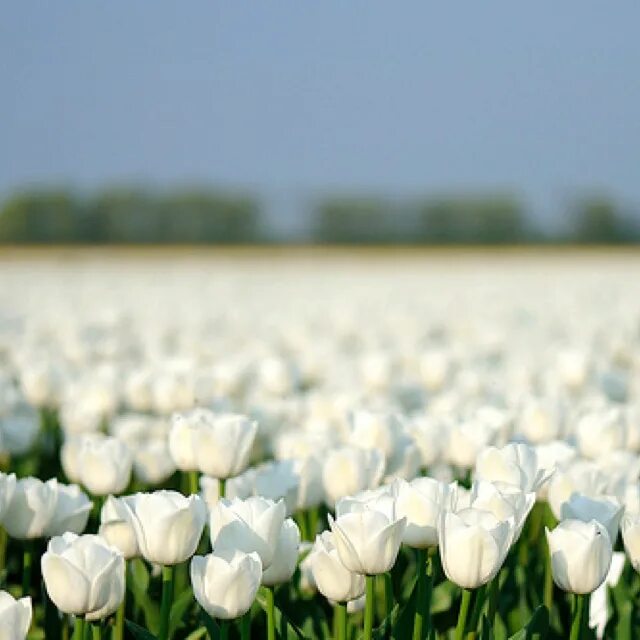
{"type": "Point", "coordinates": [15, 617]}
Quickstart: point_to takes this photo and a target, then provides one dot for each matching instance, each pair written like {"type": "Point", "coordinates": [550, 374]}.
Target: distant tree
{"type": "Point", "coordinates": [598, 219]}
{"type": "Point", "coordinates": [43, 216]}
{"type": "Point", "coordinates": [354, 220]}
{"type": "Point", "coordinates": [490, 219]}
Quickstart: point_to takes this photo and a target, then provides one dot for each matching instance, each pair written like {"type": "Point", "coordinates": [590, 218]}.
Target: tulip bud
{"type": "Point", "coordinates": [72, 510]}
{"type": "Point", "coordinates": [105, 466]}
{"type": "Point", "coordinates": [168, 525]}
{"type": "Point", "coordinates": [580, 555]}
{"type": "Point", "coordinates": [225, 582]}
{"type": "Point", "coordinates": [367, 541]}
{"type": "Point", "coordinates": [116, 527]}
{"type": "Point", "coordinates": [30, 509]}
{"type": "Point", "coordinates": [348, 470]}
{"type": "Point", "coordinates": [421, 502]}
{"type": "Point", "coordinates": [83, 575]}
{"type": "Point", "coordinates": [15, 617]}
{"type": "Point", "coordinates": [631, 538]}
{"type": "Point", "coordinates": [473, 546]}
{"type": "Point", "coordinates": [285, 557]}
{"type": "Point", "coordinates": [333, 580]}
{"type": "Point", "coordinates": [514, 464]}
{"type": "Point", "coordinates": [223, 442]}
{"type": "Point", "coordinates": [605, 510]}
{"type": "Point", "coordinates": [248, 525]}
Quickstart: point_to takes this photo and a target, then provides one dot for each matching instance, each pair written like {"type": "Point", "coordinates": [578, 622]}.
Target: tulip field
{"type": "Point", "coordinates": [351, 445]}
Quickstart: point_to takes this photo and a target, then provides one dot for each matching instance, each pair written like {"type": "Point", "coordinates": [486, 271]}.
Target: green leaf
{"type": "Point", "coordinates": [179, 609]}
{"type": "Point", "coordinates": [212, 628]}
{"type": "Point", "coordinates": [138, 583]}
{"type": "Point", "coordinates": [537, 628]}
{"type": "Point", "coordinates": [139, 633]}
{"type": "Point", "coordinates": [283, 622]}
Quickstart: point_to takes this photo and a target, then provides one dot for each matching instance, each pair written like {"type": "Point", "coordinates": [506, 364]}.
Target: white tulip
{"type": "Point", "coordinates": [601, 431]}
{"type": "Point", "coordinates": [466, 440]}
{"type": "Point", "coordinates": [473, 546]}
{"type": "Point", "coordinates": [41, 384]}
{"type": "Point", "coordinates": [19, 431]}
{"type": "Point", "coordinates": [105, 466]}
{"type": "Point", "coordinates": [367, 541]}
{"type": "Point", "coordinates": [540, 420]}
{"type": "Point", "coordinates": [514, 464]}
{"type": "Point", "coordinates": [168, 525]}
{"type": "Point", "coordinates": [116, 526]}
{"type": "Point", "coordinates": [348, 470]}
{"type": "Point", "coordinates": [225, 582]}
{"type": "Point", "coordinates": [223, 442]}
{"type": "Point", "coordinates": [249, 525]}
{"type": "Point", "coordinates": [285, 557]}
{"type": "Point", "coordinates": [333, 580]}
{"type": "Point", "coordinates": [152, 463]}
{"type": "Point", "coordinates": [83, 575]}
{"type": "Point", "coordinates": [580, 555]}
{"type": "Point", "coordinates": [72, 510]}
{"type": "Point", "coordinates": [71, 454]}
{"type": "Point", "coordinates": [183, 440]}
{"type": "Point", "coordinates": [630, 526]}
{"type": "Point", "coordinates": [382, 499]}
{"type": "Point", "coordinates": [606, 510]}
{"type": "Point", "coordinates": [580, 477]}
{"type": "Point", "coordinates": [428, 434]}
{"type": "Point", "coordinates": [15, 617]}
{"type": "Point", "coordinates": [421, 501]}
{"type": "Point", "coordinates": [375, 430]}
{"type": "Point", "coordinates": [504, 501]}
{"type": "Point", "coordinates": [7, 489]}
{"type": "Point", "coordinates": [555, 455]}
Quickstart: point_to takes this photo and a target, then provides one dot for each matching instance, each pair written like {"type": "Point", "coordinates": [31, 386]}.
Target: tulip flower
{"type": "Point", "coordinates": [7, 489]}
{"type": "Point", "coordinates": [504, 501]}
{"type": "Point", "coordinates": [15, 617]}
{"type": "Point", "coordinates": [168, 528]}
{"type": "Point", "coordinates": [580, 555]}
{"type": "Point", "coordinates": [83, 576]}
{"type": "Point", "coordinates": [248, 525]}
{"type": "Point", "coordinates": [333, 579]}
{"type": "Point", "coordinates": [105, 466]}
{"type": "Point", "coordinates": [601, 431]}
{"type": "Point", "coordinates": [581, 477]}
{"type": "Point", "coordinates": [72, 510]}
{"type": "Point", "coordinates": [152, 463]}
{"type": "Point", "coordinates": [631, 537]}
{"type": "Point", "coordinates": [223, 443]}
{"type": "Point", "coordinates": [31, 508]}
{"type": "Point", "coordinates": [225, 582]}
{"type": "Point", "coordinates": [285, 557]}
{"type": "Point", "coordinates": [368, 542]}
{"type": "Point", "coordinates": [514, 464]}
{"type": "Point", "coordinates": [116, 526]}
{"type": "Point", "coordinates": [473, 545]}
{"type": "Point", "coordinates": [348, 470]}
{"type": "Point", "coordinates": [606, 510]}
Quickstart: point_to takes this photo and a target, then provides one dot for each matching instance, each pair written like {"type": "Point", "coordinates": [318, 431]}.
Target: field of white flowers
{"type": "Point", "coordinates": [319, 445]}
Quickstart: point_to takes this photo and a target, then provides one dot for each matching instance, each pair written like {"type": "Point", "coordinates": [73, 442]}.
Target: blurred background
{"type": "Point", "coordinates": [311, 123]}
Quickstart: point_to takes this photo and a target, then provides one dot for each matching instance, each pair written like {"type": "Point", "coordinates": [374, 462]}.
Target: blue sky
{"type": "Point", "coordinates": [294, 97]}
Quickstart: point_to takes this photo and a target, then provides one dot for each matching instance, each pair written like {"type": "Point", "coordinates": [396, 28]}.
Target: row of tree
{"type": "Point", "coordinates": [121, 216]}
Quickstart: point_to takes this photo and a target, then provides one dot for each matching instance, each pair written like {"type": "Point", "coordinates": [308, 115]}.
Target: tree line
{"type": "Point", "coordinates": [200, 216]}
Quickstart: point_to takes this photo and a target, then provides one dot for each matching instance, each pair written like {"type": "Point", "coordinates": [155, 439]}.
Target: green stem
{"type": "Point", "coordinates": [3, 548]}
{"type": "Point", "coordinates": [494, 592]}
{"type": "Point", "coordinates": [578, 624]}
{"type": "Point", "coordinates": [462, 615]}
{"type": "Point", "coordinates": [245, 626]}
{"type": "Point", "coordinates": [313, 523]}
{"type": "Point", "coordinates": [78, 633]}
{"type": "Point", "coordinates": [194, 482]}
{"type": "Point", "coordinates": [65, 628]}
{"type": "Point", "coordinates": [418, 619]}
{"type": "Point", "coordinates": [27, 562]}
{"type": "Point", "coordinates": [224, 629]}
{"type": "Point", "coordinates": [271, 614]}
{"type": "Point", "coordinates": [222, 487]}
{"type": "Point", "coordinates": [167, 599]}
{"type": "Point", "coordinates": [302, 524]}
{"type": "Point", "coordinates": [96, 631]}
{"type": "Point", "coordinates": [548, 585]}
{"type": "Point", "coordinates": [118, 630]}
{"type": "Point", "coordinates": [388, 594]}
{"type": "Point", "coordinates": [340, 613]}
{"type": "Point", "coordinates": [369, 606]}
{"type": "Point", "coordinates": [478, 605]}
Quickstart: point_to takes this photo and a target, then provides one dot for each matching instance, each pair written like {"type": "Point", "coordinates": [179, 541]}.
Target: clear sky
{"type": "Point", "coordinates": [291, 97]}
